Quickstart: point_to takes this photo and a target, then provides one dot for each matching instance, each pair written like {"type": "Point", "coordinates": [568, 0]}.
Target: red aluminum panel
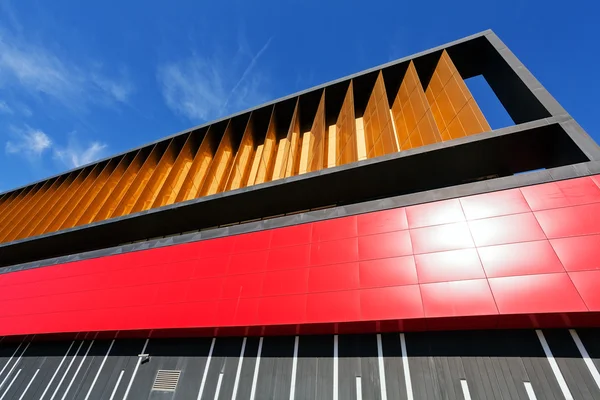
{"type": "Point", "coordinates": [350, 274]}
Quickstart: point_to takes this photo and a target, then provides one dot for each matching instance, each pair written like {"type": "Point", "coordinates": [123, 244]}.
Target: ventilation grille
{"type": "Point", "coordinates": [166, 381]}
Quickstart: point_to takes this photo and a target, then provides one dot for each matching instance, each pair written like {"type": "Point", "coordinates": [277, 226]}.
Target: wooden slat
{"type": "Point", "coordinates": [87, 199]}
{"type": "Point", "coordinates": [377, 123]}
{"type": "Point", "coordinates": [17, 222]}
{"type": "Point", "coordinates": [284, 148]}
{"type": "Point", "coordinates": [267, 156]}
{"type": "Point", "coordinates": [139, 183]}
{"type": "Point", "coordinates": [9, 198]}
{"type": "Point", "coordinates": [345, 131]}
{"type": "Point", "coordinates": [181, 167]}
{"type": "Point", "coordinates": [313, 157]}
{"type": "Point", "coordinates": [123, 186]}
{"type": "Point", "coordinates": [159, 176]}
{"type": "Point", "coordinates": [99, 200]}
{"type": "Point", "coordinates": [8, 223]}
{"type": "Point", "coordinates": [413, 117]}
{"type": "Point", "coordinates": [55, 209]}
{"type": "Point", "coordinates": [86, 183]}
{"type": "Point", "coordinates": [454, 109]}
{"type": "Point", "coordinates": [46, 201]}
{"type": "Point", "coordinates": [292, 164]}
{"type": "Point", "coordinates": [196, 176]}
{"type": "Point", "coordinates": [242, 162]}
{"type": "Point", "coordinates": [220, 167]}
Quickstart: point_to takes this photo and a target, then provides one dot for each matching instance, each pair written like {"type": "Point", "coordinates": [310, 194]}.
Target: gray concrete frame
{"type": "Point", "coordinates": [555, 118]}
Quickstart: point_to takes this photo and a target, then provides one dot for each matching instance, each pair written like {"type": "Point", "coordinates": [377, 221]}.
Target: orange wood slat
{"type": "Point", "coordinates": [242, 162]}
{"type": "Point", "coordinates": [32, 206]}
{"type": "Point", "coordinates": [413, 118]}
{"type": "Point", "coordinates": [377, 122]}
{"type": "Point", "coordinates": [19, 196]}
{"type": "Point", "coordinates": [8, 199]}
{"type": "Point", "coordinates": [77, 193]}
{"type": "Point", "coordinates": [139, 183]}
{"type": "Point", "coordinates": [181, 167]}
{"type": "Point", "coordinates": [48, 199]}
{"type": "Point", "coordinates": [14, 212]}
{"type": "Point", "coordinates": [454, 109]}
{"type": "Point", "coordinates": [282, 128]}
{"type": "Point", "coordinates": [292, 161]}
{"type": "Point", "coordinates": [86, 200]}
{"type": "Point", "coordinates": [195, 178]}
{"type": "Point", "coordinates": [160, 174]}
{"type": "Point", "coordinates": [99, 199]}
{"type": "Point", "coordinates": [52, 212]}
{"type": "Point", "coordinates": [313, 156]}
{"type": "Point", "coordinates": [345, 131]}
{"type": "Point", "coordinates": [220, 167]}
{"type": "Point", "coordinates": [267, 157]}
{"type": "Point", "coordinates": [123, 186]}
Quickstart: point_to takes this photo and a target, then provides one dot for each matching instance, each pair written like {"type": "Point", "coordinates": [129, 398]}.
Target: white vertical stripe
{"type": "Point", "coordinates": [112, 395]}
{"type": "Point", "coordinates": [56, 370]}
{"type": "Point", "coordinates": [586, 357]}
{"type": "Point", "coordinates": [205, 374]}
{"type": "Point", "coordinates": [559, 378]}
{"type": "Point", "coordinates": [10, 384]}
{"type": "Point", "coordinates": [239, 370]}
{"type": "Point", "coordinates": [29, 384]}
{"type": "Point", "coordinates": [335, 367]}
{"type": "Point", "coordinates": [135, 370]}
{"type": "Point", "coordinates": [256, 367]}
{"type": "Point", "coordinates": [294, 369]}
{"type": "Point", "coordinates": [219, 382]}
{"type": "Point", "coordinates": [358, 388]}
{"type": "Point", "coordinates": [529, 390]}
{"type": "Point", "coordinates": [77, 371]}
{"type": "Point", "coordinates": [407, 381]}
{"type": "Point", "coordinates": [87, 396]}
{"type": "Point", "coordinates": [11, 357]}
{"type": "Point", "coordinates": [381, 368]}
{"type": "Point", "coordinates": [14, 365]}
{"type": "Point", "coordinates": [394, 128]}
{"type": "Point", "coordinates": [465, 389]}
{"type": "Point", "coordinates": [66, 371]}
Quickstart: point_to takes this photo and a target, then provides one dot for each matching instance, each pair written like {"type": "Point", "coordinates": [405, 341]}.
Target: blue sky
{"type": "Point", "coordinates": [83, 80]}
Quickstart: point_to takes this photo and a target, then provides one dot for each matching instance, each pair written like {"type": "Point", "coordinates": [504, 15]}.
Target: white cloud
{"type": "Point", "coordinates": [202, 88]}
{"type": "Point", "coordinates": [75, 156]}
{"type": "Point", "coordinates": [33, 144]}
{"type": "Point", "coordinates": [29, 142]}
{"type": "Point", "coordinates": [5, 108]}
{"type": "Point", "coordinates": [38, 71]}
{"type": "Point", "coordinates": [120, 91]}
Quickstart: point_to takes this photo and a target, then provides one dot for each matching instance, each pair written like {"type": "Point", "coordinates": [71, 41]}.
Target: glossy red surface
{"type": "Point", "coordinates": [526, 257]}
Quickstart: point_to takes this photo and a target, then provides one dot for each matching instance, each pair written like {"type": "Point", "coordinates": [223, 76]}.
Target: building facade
{"type": "Point", "coordinates": [371, 238]}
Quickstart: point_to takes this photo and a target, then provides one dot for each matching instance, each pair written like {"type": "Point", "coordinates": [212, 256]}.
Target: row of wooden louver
{"type": "Point", "coordinates": [295, 136]}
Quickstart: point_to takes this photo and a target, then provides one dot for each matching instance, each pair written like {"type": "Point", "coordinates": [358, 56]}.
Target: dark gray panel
{"type": "Point", "coordinates": [495, 364]}
{"type": "Point", "coordinates": [123, 357]}
{"type": "Point", "coordinates": [248, 365]}
{"type": "Point", "coordinates": [31, 361]}
{"type": "Point", "coordinates": [88, 370]}
{"type": "Point", "coordinates": [71, 364]}
{"type": "Point", "coordinates": [224, 359]}
{"type": "Point", "coordinates": [358, 358]}
{"type": "Point", "coordinates": [591, 340]}
{"type": "Point", "coordinates": [275, 373]}
{"type": "Point", "coordinates": [394, 369]}
{"type": "Point", "coordinates": [192, 366]}
{"type": "Point", "coordinates": [314, 379]}
{"type": "Point", "coordinates": [52, 353]}
{"type": "Point", "coordinates": [567, 356]}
